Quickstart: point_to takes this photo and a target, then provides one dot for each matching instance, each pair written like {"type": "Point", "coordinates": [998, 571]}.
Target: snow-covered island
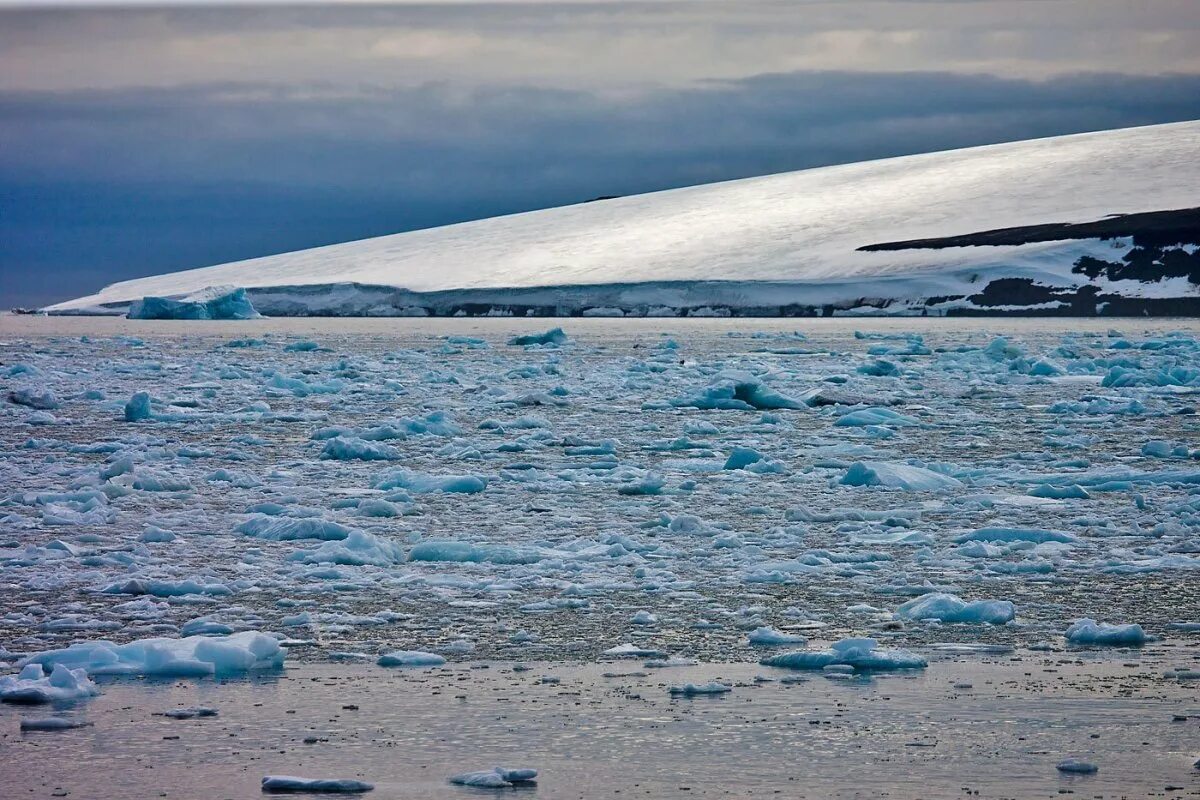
{"type": "Point", "coordinates": [1092, 224]}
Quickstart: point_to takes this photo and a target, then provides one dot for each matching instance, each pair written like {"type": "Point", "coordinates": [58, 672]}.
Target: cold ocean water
{"type": "Point", "coordinates": [966, 549]}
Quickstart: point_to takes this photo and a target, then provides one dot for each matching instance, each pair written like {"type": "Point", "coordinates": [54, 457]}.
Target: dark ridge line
{"type": "Point", "coordinates": [1148, 229]}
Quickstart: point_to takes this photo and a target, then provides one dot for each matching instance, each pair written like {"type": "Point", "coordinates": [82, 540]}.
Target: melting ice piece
{"type": "Point", "coordinates": [737, 391]}
{"type": "Point", "coordinates": [427, 484]}
{"type": "Point", "coordinates": [1077, 767]}
{"type": "Point", "coordinates": [410, 658]}
{"type": "Point", "coordinates": [693, 689]}
{"type": "Point", "coordinates": [190, 657]}
{"type": "Point", "coordinates": [554, 337]}
{"type": "Point", "coordinates": [497, 778]}
{"type": "Point", "coordinates": [632, 651]}
{"type": "Point", "coordinates": [896, 476]}
{"type": "Point", "coordinates": [861, 654]}
{"type": "Point", "coordinates": [1090, 632]}
{"type": "Point", "coordinates": [948, 608]}
{"type": "Point", "coordinates": [52, 724]}
{"type": "Point", "coordinates": [34, 687]}
{"type": "Point", "coordinates": [767, 636]}
{"type": "Point", "coordinates": [215, 302]}
{"type": "Point", "coordinates": [288, 783]}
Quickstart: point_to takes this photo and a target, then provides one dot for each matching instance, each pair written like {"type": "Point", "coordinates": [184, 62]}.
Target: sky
{"type": "Point", "coordinates": [147, 139]}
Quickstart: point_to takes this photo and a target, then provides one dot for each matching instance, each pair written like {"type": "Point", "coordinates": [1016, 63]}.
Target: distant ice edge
{"type": "Point", "coordinates": [926, 295]}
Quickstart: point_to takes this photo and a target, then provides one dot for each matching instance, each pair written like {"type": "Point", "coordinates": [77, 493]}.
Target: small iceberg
{"type": "Point", "coordinates": [693, 689]}
{"type": "Point", "coordinates": [896, 476]}
{"type": "Point", "coordinates": [948, 608]}
{"type": "Point", "coordinates": [497, 778]}
{"type": "Point", "coordinates": [863, 655]}
{"type": "Point", "coordinates": [213, 303]}
{"type": "Point", "coordinates": [34, 687]}
{"type": "Point", "coordinates": [1090, 632]}
{"type": "Point", "coordinates": [289, 783]}
{"type": "Point", "coordinates": [410, 658]}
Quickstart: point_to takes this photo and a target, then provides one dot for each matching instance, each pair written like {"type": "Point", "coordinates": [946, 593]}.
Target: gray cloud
{"type": "Point", "coordinates": [107, 172]}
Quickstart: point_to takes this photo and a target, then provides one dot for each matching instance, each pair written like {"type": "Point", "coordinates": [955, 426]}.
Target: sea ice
{"type": "Point", "coordinates": [1090, 632]}
{"type": "Point", "coordinates": [863, 655]}
{"type": "Point", "coordinates": [948, 608]}
{"type": "Point", "coordinates": [32, 686]}
{"type": "Point", "coordinates": [497, 778]}
{"type": "Point", "coordinates": [289, 783]}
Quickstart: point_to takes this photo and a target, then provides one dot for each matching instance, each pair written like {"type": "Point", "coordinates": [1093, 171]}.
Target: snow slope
{"type": "Point", "coordinates": [794, 235]}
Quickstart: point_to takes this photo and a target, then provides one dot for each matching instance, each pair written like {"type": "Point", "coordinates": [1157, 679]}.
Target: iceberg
{"type": "Point", "coordinates": [214, 302]}
{"type": "Point", "coordinates": [427, 484]}
{"type": "Point", "coordinates": [897, 476]}
{"type": "Point", "coordinates": [32, 686]}
{"type": "Point", "coordinates": [190, 657]}
{"type": "Point", "coordinates": [410, 658]}
{"type": "Point", "coordinates": [498, 778]}
{"type": "Point", "coordinates": [1090, 632]}
{"type": "Point", "coordinates": [289, 783]}
{"type": "Point", "coordinates": [863, 655]}
{"type": "Point", "coordinates": [949, 608]}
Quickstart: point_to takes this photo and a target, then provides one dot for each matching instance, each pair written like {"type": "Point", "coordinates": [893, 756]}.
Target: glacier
{"type": "Point", "coordinates": [1087, 224]}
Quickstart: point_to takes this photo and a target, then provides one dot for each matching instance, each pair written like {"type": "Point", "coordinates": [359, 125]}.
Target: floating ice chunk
{"type": "Point", "coordinates": [766, 636]}
{"type": "Point", "coordinates": [140, 586]}
{"type": "Point", "coordinates": [443, 550]}
{"type": "Point", "coordinates": [193, 656]}
{"type": "Point", "coordinates": [1090, 632]}
{"type": "Point", "coordinates": [737, 391]}
{"type": "Point", "coordinates": [285, 529]}
{"type": "Point", "coordinates": [1077, 767]}
{"type": "Point", "coordinates": [673, 661]}
{"type": "Point", "coordinates": [215, 302]}
{"type": "Point", "coordinates": [155, 534]}
{"type": "Point", "coordinates": [52, 724]}
{"type": "Point", "coordinates": [875, 416]}
{"type": "Point", "coordinates": [191, 712]}
{"type": "Point", "coordinates": [896, 476]}
{"type": "Point", "coordinates": [427, 484]}
{"type": "Point", "coordinates": [644, 618]}
{"type": "Point", "coordinates": [647, 483]}
{"type": "Point", "coordinates": [948, 608]}
{"type": "Point", "coordinates": [693, 689]}
{"type": "Point", "coordinates": [862, 654]}
{"type": "Point", "coordinates": [835, 396]}
{"type": "Point", "coordinates": [410, 658]}
{"type": "Point", "coordinates": [289, 783]}
{"type": "Point", "coordinates": [1036, 535]}
{"type": "Point", "coordinates": [39, 398]}
{"type": "Point", "coordinates": [742, 457]}
{"type": "Point", "coordinates": [632, 651]}
{"type": "Point", "coordinates": [357, 549]}
{"type": "Point", "coordinates": [498, 778]}
{"type": "Point", "coordinates": [348, 448]}
{"type": "Point", "coordinates": [34, 687]}
{"type": "Point", "coordinates": [1072, 492]}
{"type": "Point", "coordinates": [138, 407]}
{"type": "Point", "coordinates": [555, 337]}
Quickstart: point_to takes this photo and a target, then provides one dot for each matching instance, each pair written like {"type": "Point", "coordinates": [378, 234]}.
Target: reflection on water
{"type": "Point", "coordinates": [996, 725]}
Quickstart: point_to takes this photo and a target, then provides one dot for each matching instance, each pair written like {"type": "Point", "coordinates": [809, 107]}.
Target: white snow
{"type": "Point", "coordinates": [791, 237]}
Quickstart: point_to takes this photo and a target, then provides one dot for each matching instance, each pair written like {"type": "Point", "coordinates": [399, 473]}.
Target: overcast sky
{"type": "Point", "coordinates": [149, 139]}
